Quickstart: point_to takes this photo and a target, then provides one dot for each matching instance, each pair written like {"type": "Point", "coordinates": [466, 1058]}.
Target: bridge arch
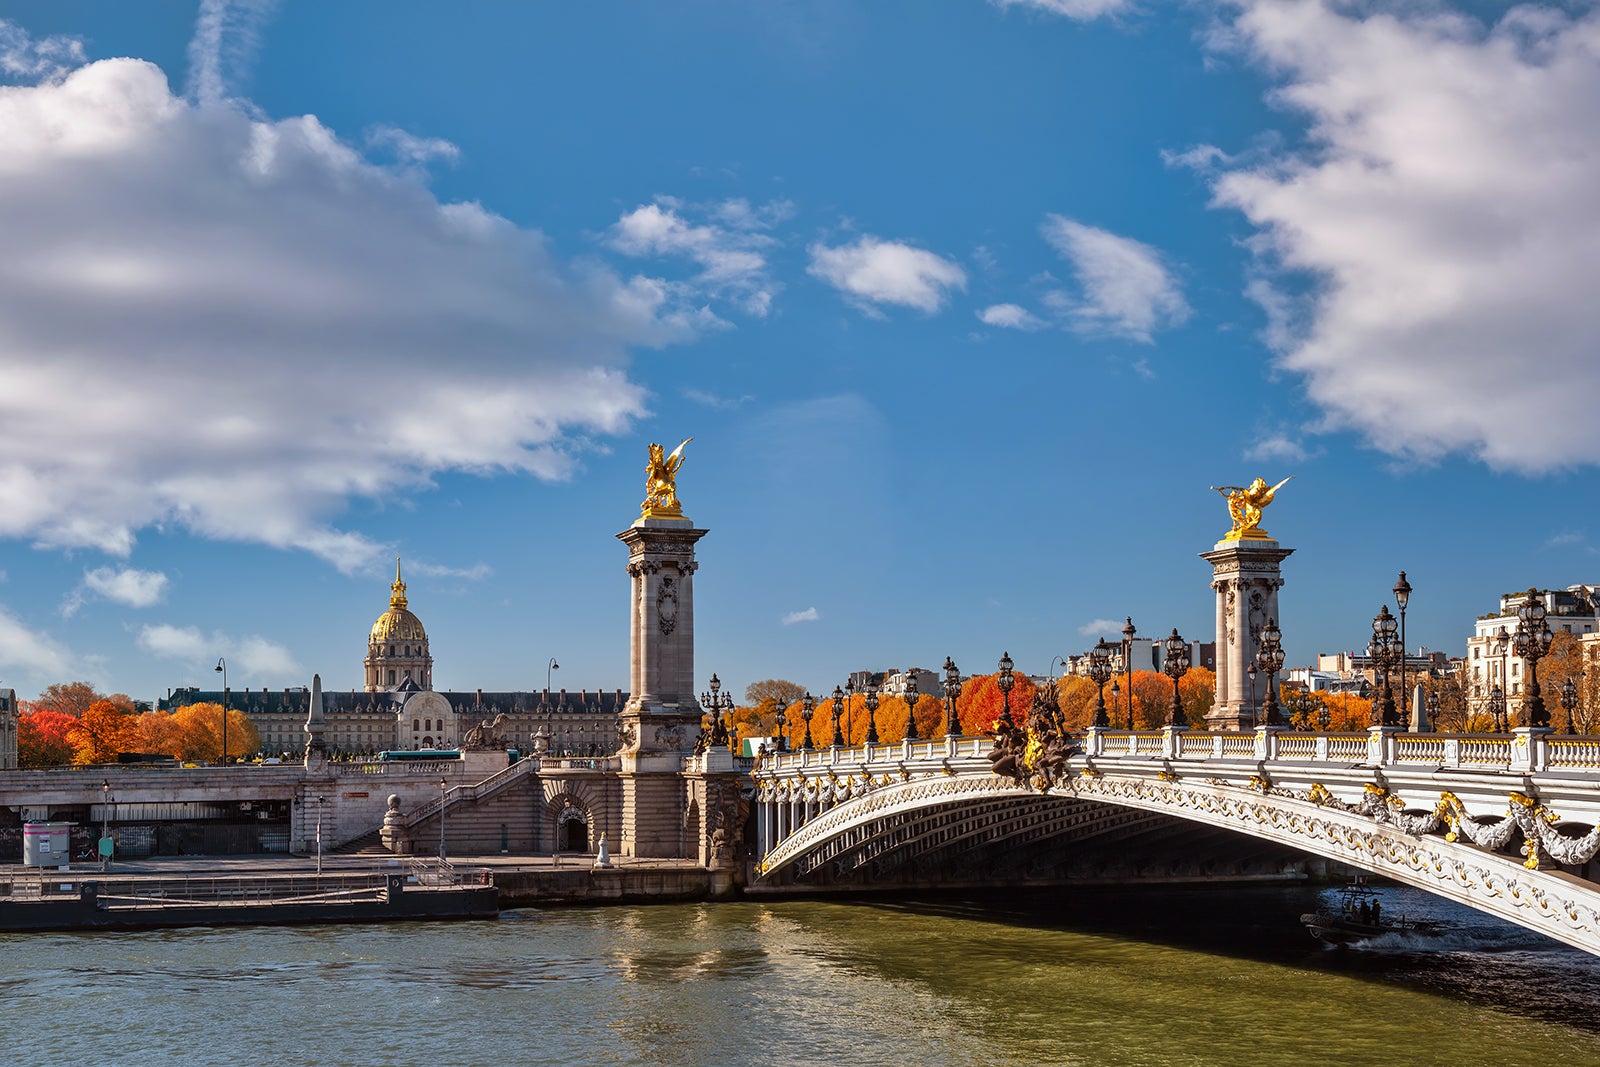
{"type": "Point", "coordinates": [821, 825]}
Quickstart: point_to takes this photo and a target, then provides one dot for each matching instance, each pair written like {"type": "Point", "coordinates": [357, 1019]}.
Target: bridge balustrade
{"type": "Point", "coordinates": [1574, 752]}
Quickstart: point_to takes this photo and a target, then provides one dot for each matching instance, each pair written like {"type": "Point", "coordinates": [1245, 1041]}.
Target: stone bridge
{"type": "Point", "coordinates": [1502, 823]}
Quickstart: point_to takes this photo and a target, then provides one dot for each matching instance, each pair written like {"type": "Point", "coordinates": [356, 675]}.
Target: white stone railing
{"type": "Point", "coordinates": [1531, 750]}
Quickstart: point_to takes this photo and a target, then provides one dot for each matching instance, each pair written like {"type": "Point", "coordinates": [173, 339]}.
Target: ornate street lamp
{"type": "Point", "coordinates": [1324, 717]}
{"type": "Point", "coordinates": [1430, 708]}
{"type": "Point", "coordinates": [1252, 671]}
{"type": "Point", "coordinates": [1381, 650]}
{"type": "Point", "coordinates": [782, 721]}
{"type": "Point", "coordinates": [1402, 593]}
{"type": "Point", "coordinates": [1128, 631]}
{"type": "Point", "coordinates": [1497, 710]}
{"type": "Point", "coordinates": [911, 704]}
{"type": "Point", "coordinates": [716, 702]}
{"type": "Point", "coordinates": [849, 707]}
{"type": "Point", "coordinates": [1532, 642]}
{"type": "Point", "coordinates": [871, 702]}
{"type": "Point", "coordinates": [1005, 681]}
{"type": "Point", "coordinates": [1099, 674]}
{"type": "Point", "coordinates": [1175, 667]}
{"type": "Point", "coordinates": [952, 690]}
{"type": "Point", "coordinates": [1502, 644]}
{"type": "Point", "coordinates": [808, 707]}
{"type": "Point", "coordinates": [838, 710]}
{"type": "Point", "coordinates": [1269, 658]}
{"type": "Point", "coordinates": [1569, 700]}
{"type": "Point", "coordinates": [105, 825]}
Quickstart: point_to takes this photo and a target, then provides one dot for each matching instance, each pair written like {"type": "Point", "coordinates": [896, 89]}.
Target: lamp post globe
{"type": "Point", "coordinates": [1099, 674]}
{"type": "Point", "coordinates": [838, 710]}
{"type": "Point", "coordinates": [1269, 658]}
{"type": "Point", "coordinates": [1175, 667]}
{"type": "Point", "coordinates": [911, 704]}
{"type": "Point", "coordinates": [1382, 650]}
{"type": "Point", "coordinates": [1005, 681]}
{"type": "Point", "coordinates": [871, 702]}
{"type": "Point", "coordinates": [952, 691]}
{"type": "Point", "coordinates": [1532, 641]}
{"type": "Point", "coordinates": [1402, 594]}
{"type": "Point", "coordinates": [1128, 632]}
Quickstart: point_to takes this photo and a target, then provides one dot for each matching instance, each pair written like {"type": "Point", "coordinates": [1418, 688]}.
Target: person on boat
{"type": "Point", "coordinates": [1376, 906]}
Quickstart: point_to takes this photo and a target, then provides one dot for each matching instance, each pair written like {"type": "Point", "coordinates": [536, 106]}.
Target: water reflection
{"type": "Point", "coordinates": [1191, 978]}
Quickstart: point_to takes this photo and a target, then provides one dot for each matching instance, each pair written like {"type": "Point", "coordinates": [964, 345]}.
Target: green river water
{"type": "Point", "coordinates": [1139, 978]}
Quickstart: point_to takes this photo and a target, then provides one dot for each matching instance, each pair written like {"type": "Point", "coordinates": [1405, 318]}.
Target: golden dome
{"type": "Point", "coordinates": [398, 624]}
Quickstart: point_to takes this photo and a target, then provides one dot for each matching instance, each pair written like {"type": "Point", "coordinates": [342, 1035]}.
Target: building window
{"type": "Point", "coordinates": [391, 677]}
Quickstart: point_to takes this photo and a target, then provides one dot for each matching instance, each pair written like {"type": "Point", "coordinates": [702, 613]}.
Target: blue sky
{"type": "Point", "coordinates": [966, 305]}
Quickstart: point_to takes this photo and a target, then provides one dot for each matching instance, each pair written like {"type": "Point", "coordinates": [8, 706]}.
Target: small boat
{"type": "Point", "coordinates": [1358, 916]}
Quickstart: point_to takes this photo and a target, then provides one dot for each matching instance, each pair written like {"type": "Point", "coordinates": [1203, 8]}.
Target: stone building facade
{"type": "Point", "coordinates": [398, 709]}
{"type": "Point", "coordinates": [8, 729]}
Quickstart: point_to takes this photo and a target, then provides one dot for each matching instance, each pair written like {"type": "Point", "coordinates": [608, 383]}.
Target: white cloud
{"type": "Point", "coordinates": [712, 400]}
{"type": "Point", "coordinates": [1278, 445]}
{"type": "Point", "coordinates": [875, 271]}
{"type": "Point", "coordinates": [22, 651]}
{"type": "Point", "coordinates": [730, 252]}
{"type": "Point", "coordinates": [125, 585]}
{"type": "Point", "coordinates": [1100, 627]}
{"type": "Point", "coordinates": [260, 658]}
{"type": "Point", "coordinates": [1081, 10]}
{"type": "Point", "coordinates": [808, 615]}
{"type": "Point", "coordinates": [476, 572]}
{"type": "Point", "coordinates": [21, 56]}
{"type": "Point", "coordinates": [213, 320]}
{"type": "Point", "coordinates": [1010, 316]}
{"type": "Point", "coordinates": [176, 642]}
{"type": "Point", "coordinates": [1126, 288]}
{"type": "Point", "coordinates": [227, 34]}
{"type": "Point", "coordinates": [249, 657]}
{"type": "Point", "coordinates": [411, 149]}
{"type": "Point", "coordinates": [1443, 208]}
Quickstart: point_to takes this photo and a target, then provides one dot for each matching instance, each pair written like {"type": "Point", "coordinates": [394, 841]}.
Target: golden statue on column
{"type": "Point", "coordinates": [1245, 505]}
{"type": "Point", "coordinates": [661, 483]}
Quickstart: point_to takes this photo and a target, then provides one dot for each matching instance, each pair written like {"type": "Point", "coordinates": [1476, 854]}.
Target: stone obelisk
{"type": "Point", "coordinates": [1246, 576]}
{"type": "Point", "coordinates": [316, 727]}
{"type": "Point", "coordinates": [661, 721]}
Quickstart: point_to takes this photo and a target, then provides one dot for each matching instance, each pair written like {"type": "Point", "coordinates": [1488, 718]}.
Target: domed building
{"type": "Point", "coordinates": [400, 709]}
{"type": "Point", "coordinates": [397, 648]}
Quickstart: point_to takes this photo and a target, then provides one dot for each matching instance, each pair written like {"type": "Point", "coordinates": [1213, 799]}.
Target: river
{"type": "Point", "coordinates": [1190, 978]}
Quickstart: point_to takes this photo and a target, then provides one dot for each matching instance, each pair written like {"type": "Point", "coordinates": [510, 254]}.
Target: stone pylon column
{"type": "Point", "coordinates": [1245, 574]}
{"type": "Point", "coordinates": [661, 721]}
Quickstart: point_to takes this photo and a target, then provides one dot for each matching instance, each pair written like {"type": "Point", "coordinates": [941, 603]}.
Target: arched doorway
{"type": "Point", "coordinates": [572, 830]}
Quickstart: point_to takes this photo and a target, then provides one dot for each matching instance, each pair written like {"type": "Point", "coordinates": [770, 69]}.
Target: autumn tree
{"type": "Point", "coordinates": [1564, 661]}
{"type": "Point", "coordinates": [100, 733]}
{"type": "Point", "coordinates": [776, 690]}
{"type": "Point", "coordinates": [200, 728]}
{"type": "Point", "coordinates": [74, 698]}
{"type": "Point", "coordinates": [42, 739]}
{"type": "Point", "coordinates": [158, 732]}
{"type": "Point", "coordinates": [981, 701]}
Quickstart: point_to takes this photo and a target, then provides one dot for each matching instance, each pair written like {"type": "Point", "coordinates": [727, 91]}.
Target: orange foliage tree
{"type": "Point", "coordinates": [201, 732]}
{"type": "Point", "coordinates": [42, 739]}
{"type": "Point", "coordinates": [981, 701]}
{"type": "Point", "coordinates": [158, 732]}
{"type": "Point", "coordinates": [100, 733]}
